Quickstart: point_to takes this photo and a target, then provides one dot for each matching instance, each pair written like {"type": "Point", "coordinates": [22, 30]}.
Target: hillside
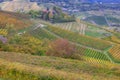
{"type": "Point", "coordinates": [35, 49]}
{"type": "Point", "coordinates": [49, 68]}
{"type": "Point", "coordinates": [106, 1]}
{"type": "Point", "coordinates": [19, 6]}
{"type": "Point", "coordinates": [17, 21]}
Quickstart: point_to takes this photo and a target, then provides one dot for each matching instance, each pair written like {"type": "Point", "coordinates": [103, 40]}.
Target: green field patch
{"type": "Point", "coordinates": [95, 54]}
{"type": "Point", "coordinates": [100, 20]}
{"type": "Point", "coordinates": [96, 32]}
{"type": "Point", "coordinates": [42, 34]}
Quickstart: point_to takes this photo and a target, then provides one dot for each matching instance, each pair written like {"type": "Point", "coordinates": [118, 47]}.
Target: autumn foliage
{"type": "Point", "coordinates": [115, 52]}
{"type": "Point", "coordinates": [61, 48]}
{"type": "Point", "coordinates": [7, 19]}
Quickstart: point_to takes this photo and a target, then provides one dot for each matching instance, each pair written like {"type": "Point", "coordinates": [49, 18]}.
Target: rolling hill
{"type": "Point", "coordinates": [15, 66]}
{"type": "Point", "coordinates": [34, 50]}
{"type": "Point", "coordinates": [106, 1]}
{"type": "Point", "coordinates": [19, 6]}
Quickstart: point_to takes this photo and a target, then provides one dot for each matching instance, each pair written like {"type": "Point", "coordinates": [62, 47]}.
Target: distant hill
{"type": "Point", "coordinates": [19, 6]}
{"type": "Point", "coordinates": [38, 1]}
{"type": "Point", "coordinates": [106, 1]}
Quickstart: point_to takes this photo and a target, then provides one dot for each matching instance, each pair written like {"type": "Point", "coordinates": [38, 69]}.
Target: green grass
{"type": "Point", "coordinates": [93, 34]}
{"type": "Point", "coordinates": [2, 79]}
{"type": "Point", "coordinates": [96, 32]}
{"type": "Point", "coordinates": [117, 34]}
{"type": "Point", "coordinates": [100, 20]}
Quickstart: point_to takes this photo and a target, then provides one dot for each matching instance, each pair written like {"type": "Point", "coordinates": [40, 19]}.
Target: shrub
{"type": "Point", "coordinates": [61, 48]}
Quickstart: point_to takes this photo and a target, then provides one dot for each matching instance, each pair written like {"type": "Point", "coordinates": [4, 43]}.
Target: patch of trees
{"type": "Point", "coordinates": [63, 48]}
{"type": "Point", "coordinates": [27, 44]}
{"type": "Point", "coordinates": [23, 44]}
{"type": "Point", "coordinates": [54, 15]}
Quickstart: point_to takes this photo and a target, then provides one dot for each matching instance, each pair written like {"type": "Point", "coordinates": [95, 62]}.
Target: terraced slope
{"type": "Point", "coordinates": [73, 26]}
{"type": "Point", "coordinates": [83, 40]}
{"type": "Point", "coordinates": [84, 29]}
{"type": "Point", "coordinates": [115, 52]}
{"type": "Point", "coordinates": [15, 65]}
{"type": "Point", "coordinates": [19, 6]}
{"type": "Point", "coordinates": [95, 64]}
{"type": "Point", "coordinates": [42, 33]}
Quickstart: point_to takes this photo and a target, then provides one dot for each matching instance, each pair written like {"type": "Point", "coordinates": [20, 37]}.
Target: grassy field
{"type": "Point", "coordinates": [100, 20]}
{"type": "Point", "coordinates": [47, 68]}
{"type": "Point", "coordinates": [96, 32]}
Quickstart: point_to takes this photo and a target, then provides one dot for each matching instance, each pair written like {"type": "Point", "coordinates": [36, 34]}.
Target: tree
{"type": "Point", "coordinates": [61, 48]}
{"type": "Point", "coordinates": [34, 14]}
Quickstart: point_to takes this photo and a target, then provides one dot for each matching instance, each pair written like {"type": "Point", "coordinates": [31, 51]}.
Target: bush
{"type": "Point", "coordinates": [61, 48]}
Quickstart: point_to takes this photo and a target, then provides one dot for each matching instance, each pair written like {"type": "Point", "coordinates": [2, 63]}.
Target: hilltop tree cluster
{"type": "Point", "coordinates": [53, 15]}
